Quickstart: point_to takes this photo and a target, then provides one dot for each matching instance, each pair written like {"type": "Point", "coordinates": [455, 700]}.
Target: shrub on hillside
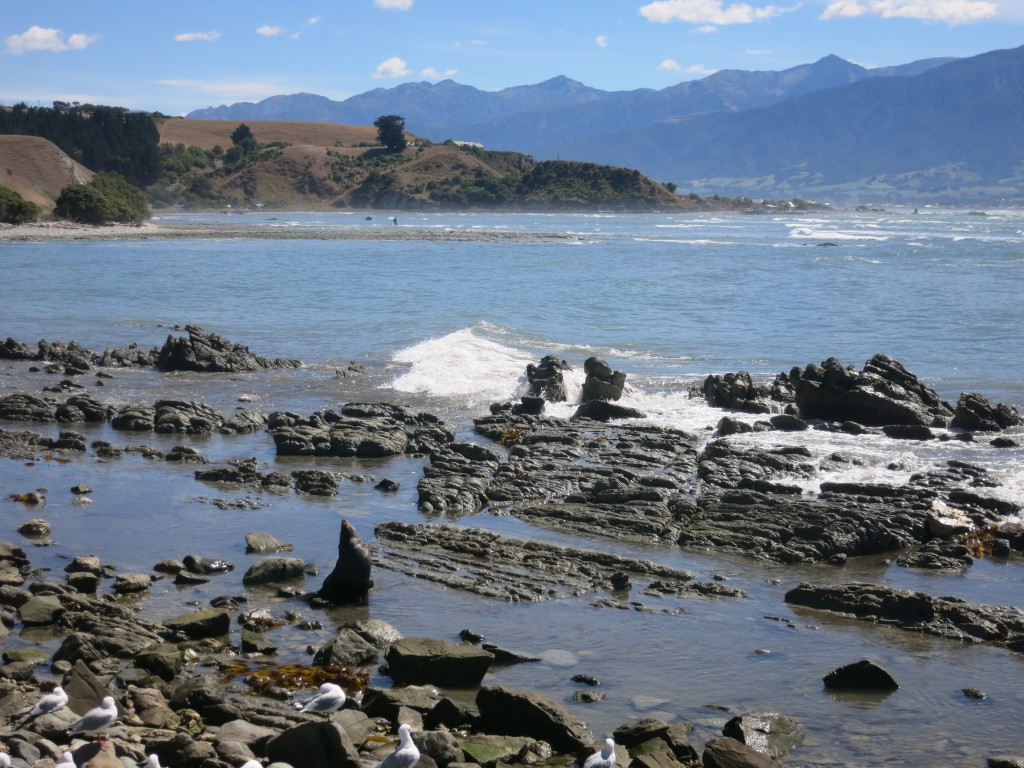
{"type": "Point", "coordinates": [107, 198]}
{"type": "Point", "coordinates": [15, 209]}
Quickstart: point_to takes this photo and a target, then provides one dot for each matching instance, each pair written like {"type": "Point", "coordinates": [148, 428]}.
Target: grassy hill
{"type": "Point", "coordinates": [37, 169]}
{"type": "Point", "coordinates": [317, 166]}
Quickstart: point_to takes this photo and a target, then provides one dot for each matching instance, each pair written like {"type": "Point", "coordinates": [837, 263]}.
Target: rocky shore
{"type": "Point", "coordinates": [189, 694]}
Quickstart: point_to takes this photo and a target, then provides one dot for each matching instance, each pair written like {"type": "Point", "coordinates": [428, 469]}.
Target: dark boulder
{"type": "Point", "coordinates": [862, 675]}
{"type": "Point", "coordinates": [350, 581]}
{"type": "Point", "coordinates": [314, 745]}
{"type": "Point", "coordinates": [210, 353]}
{"type": "Point", "coordinates": [420, 660]}
{"type": "Point", "coordinates": [600, 410]}
{"type": "Point", "coordinates": [882, 393]}
{"type": "Point", "coordinates": [602, 383]}
{"type": "Point", "coordinates": [770, 733]}
{"type": "Point", "coordinates": [976, 413]}
{"type": "Point", "coordinates": [507, 712]}
{"type": "Point", "coordinates": [546, 379]}
{"type": "Point", "coordinates": [729, 753]}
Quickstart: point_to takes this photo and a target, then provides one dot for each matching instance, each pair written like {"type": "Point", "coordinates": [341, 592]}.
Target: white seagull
{"type": "Point", "coordinates": [67, 760]}
{"type": "Point", "coordinates": [252, 764]}
{"type": "Point", "coordinates": [405, 755]}
{"type": "Point", "coordinates": [5, 760]}
{"type": "Point", "coordinates": [331, 698]}
{"type": "Point", "coordinates": [97, 720]}
{"type": "Point", "coordinates": [151, 762]}
{"type": "Point", "coordinates": [51, 702]}
{"type": "Point", "coordinates": [603, 759]}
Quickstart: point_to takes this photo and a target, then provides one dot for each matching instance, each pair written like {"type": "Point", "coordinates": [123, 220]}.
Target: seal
{"type": "Point", "coordinates": [350, 581]}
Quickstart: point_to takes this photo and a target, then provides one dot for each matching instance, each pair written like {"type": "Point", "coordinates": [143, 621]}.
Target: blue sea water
{"type": "Point", "coordinates": [448, 325]}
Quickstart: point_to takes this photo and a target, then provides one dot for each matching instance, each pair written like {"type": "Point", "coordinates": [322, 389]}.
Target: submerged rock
{"type": "Point", "coordinates": [209, 353]}
{"type": "Point", "coordinates": [864, 675]}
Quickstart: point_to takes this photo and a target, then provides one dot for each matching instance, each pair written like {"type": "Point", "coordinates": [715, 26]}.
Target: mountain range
{"type": "Point", "coordinates": [947, 130]}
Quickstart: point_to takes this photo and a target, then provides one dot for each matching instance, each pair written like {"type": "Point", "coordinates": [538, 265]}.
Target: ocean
{"type": "Point", "coordinates": [448, 325]}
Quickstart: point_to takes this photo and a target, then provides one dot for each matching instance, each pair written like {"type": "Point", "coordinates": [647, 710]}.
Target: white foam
{"type": "Point", "coordinates": [463, 365]}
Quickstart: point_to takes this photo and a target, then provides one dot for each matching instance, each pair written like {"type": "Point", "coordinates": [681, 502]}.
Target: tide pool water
{"type": "Point", "coordinates": [448, 326]}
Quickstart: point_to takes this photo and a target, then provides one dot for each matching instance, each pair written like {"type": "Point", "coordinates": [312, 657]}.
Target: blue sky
{"type": "Point", "coordinates": [182, 55]}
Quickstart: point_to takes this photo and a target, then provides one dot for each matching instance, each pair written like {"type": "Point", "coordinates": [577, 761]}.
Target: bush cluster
{"type": "Point", "coordinates": [15, 209]}
{"type": "Point", "coordinates": [108, 198]}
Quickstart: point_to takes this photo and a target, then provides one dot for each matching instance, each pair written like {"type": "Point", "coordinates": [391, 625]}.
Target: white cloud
{"type": "Point", "coordinates": [394, 5]}
{"type": "Point", "coordinates": [268, 31]}
{"type": "Point", "coordinates": [312, 20]}
{"type": "Point", "coordinates": [393, 67]}
{"type": "Point", "coordinates": [188, 37]}
{"type": "Point", "coordinates": [707, 29]}
{"type": "Point", "coordinates": [47, 39]}
{"type": "Point", "coordinates": [602, 41]}
{"type": "Point", "coordinates": [669, 65]}
{"type": "Point", "coordinates": [709, 12]}
{"type": "Point", "coordinates": [699, 69]}
{"type": "Point", "coordinates": [952, 12]}
{"type": "Point", "coordinates": [757, 52]}
{"type": "Point", "coordinates": [432, 74]}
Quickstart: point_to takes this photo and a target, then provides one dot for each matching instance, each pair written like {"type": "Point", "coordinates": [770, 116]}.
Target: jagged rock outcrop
{"type": "Point", "coordinates": [977, 413]}
{"type": "Point", "coordinates": [210, 353]}
{"type": "Point", "coordinates": [546, 379]}
{"type": "Point", "coordinates": [602, 383]}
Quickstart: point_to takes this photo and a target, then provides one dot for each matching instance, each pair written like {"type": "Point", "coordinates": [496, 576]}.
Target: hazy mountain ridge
{"type": "Point", "coordinates": [947, 127]}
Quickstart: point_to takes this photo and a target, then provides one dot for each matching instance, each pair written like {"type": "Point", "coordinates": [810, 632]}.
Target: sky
{"type": "Point", "coordinates": [175, 57]}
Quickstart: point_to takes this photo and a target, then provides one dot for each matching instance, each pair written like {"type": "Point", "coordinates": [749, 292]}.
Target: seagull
{"type": "Point", "coordinates": [97, 720]}
{"type": "Point", "coordinates": [5, 760]}
{"type": "Point", "coordinates": [252, 764]}
{"type": "Point", "coordinates": [603, 759]}
{"type": "Point", "coordinates": [330, 699]}
{"type": "Point", "coordinates": [51, 702]}
{"type": "Point", "coordinates": [66, 761]}
{"type": "Point", "coordinates": [405, 755]}
{"type": "Point", "coordinates": [152, 762]}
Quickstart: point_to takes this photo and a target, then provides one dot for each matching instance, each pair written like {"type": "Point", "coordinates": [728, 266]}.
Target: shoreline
{"type": "Point", "coordinates": [68, 231]}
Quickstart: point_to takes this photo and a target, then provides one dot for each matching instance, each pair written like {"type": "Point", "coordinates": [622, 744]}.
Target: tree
{"type": "Point", "coordinates": [391, 132]}
{"type": "Point", "coordinates": [243, 138]}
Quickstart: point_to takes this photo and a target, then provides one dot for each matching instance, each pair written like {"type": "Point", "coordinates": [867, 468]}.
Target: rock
{"type": "Point", "coordinates": [654, 735]}
{"type": "Point", "coordinates": [738, 391]}
{"type": "Point", "coordinates": [273, 569]}
{"type": "Point", "coordinates": [729, 753]}
{"type": "Point", "coordinates": [165, 661]}
{"type": "Point", "coordinates": [360, 430]}
{"type": "Point", "coordinates": [485, 750]}
{"type": "Point", "coordinates": [974, 412]}
{"type": "Point", "coordinates": [210, 353]}
{"type": "Point", "coordinates": [315, 482]}
{"type": "Point", "coordinates": [908, 432]}
{"type": "Point", "coordinates": [151, 707]}
{"type": "Point", "coordinates": [209, 622]}
{"type": "Point", "coordinates": [314, 745]}
{"type": "Point", "coordinates": [599, 410]}
{"type": "Point", "coordinates": [770, 733]}
{"type": "Point", "coordinates": [348, 648]}
{"type": "Point", "coordinates": [40, 610]}
{"type": "Point", "coordinates": [882, 393]}
{"type": "Point", "coordinates": [85, 564]}
{"type": "Point", "coordinates": [546, 379]}
{"type": "Point", "coordinates": [257, 642]}
{"type": "Point", "coordinates": [947, 617]}
{"type": "Point", "coordinates": [420, 660]}
{"type": "Point", "coordinates": [601, 382]}
{"type": "Point", "coordinates": [350, 581]}
{"type": "Point", "coordinates": [258, 542]}
{"type": "Point", "coordinates": [130, 583]}
{"type": "Point", "coordinates": [184, 417]}
{"type": "Point", "coordinates": [390, 703]}
{"type": "Point", "coordinates": [785, 422]}
{"type": "Point", "coordinates": [441, 746]}
{"type": "Point", "coordinates": [507, 712]}
{"type": "Point", "coordinates": [204, 566]}
{"type": "Point", "coordinates": [182, 750]}
{"type": "Point", "coordinates": [862, 675]}
{"type": "Point", "coordinates": [36, 528]}
{"type": "Point", "coordinates": [944, 521]}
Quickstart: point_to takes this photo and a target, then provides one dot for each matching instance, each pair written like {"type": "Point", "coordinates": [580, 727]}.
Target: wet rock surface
{"type": "Point", "coordinates": [947, 617]}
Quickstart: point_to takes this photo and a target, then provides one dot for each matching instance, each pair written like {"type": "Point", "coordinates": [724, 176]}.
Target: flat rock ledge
{"type": "Point", "coordinates": [947, 617]}
{"type": "Point", "coordinates": [517, 570]}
